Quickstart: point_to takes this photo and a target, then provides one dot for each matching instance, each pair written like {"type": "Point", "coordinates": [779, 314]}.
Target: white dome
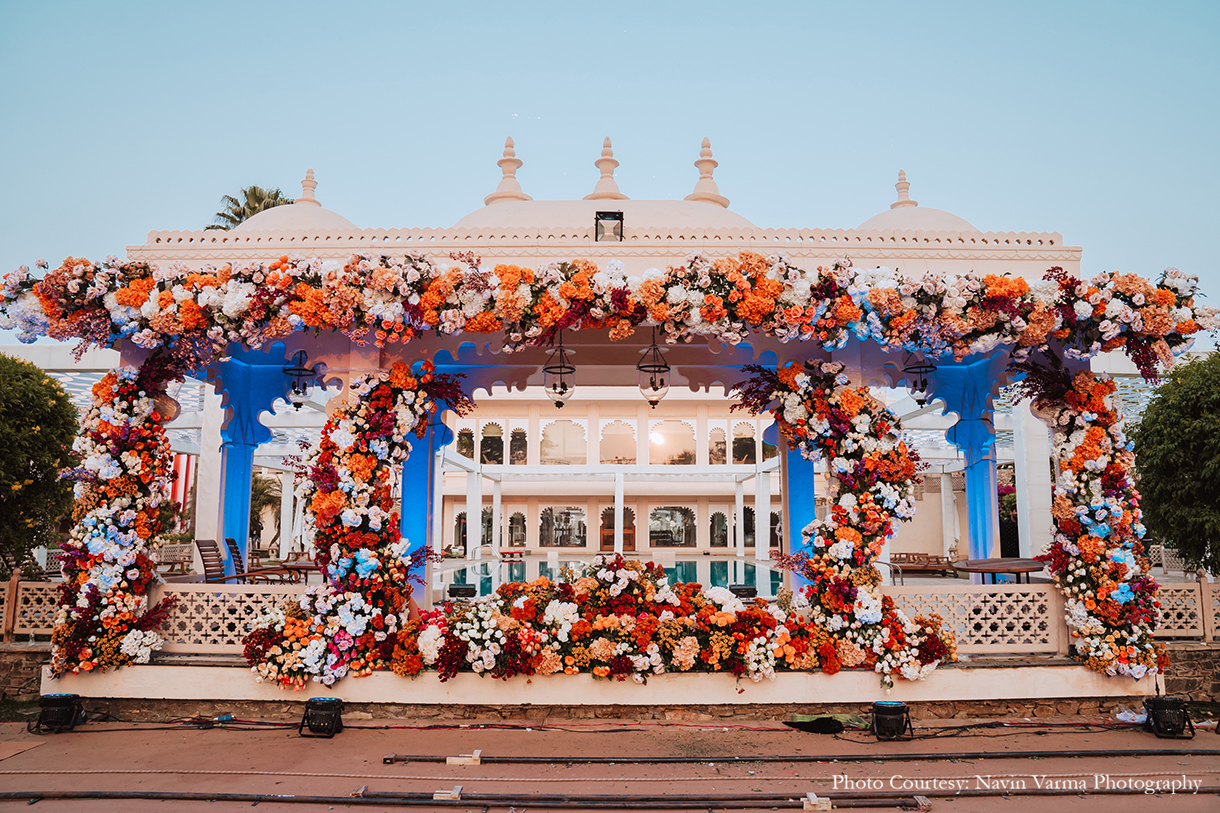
{"type": "Point", "coordinates": [304, 214]}
{"type": "Point", "coordinates": [905, 214]}
{"type": "Point", "coordinates": [577, 215]}
{"type": "Point", "coordinates": [916, 218]}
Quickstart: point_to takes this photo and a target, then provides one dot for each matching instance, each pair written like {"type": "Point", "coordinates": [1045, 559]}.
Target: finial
{"type": "Point", "coordinates": [607, 188]}
{"type": "Point", "coordinates": [509, 188]}
{"type": "Point", "coordinates": [902, 186]}
{"type": "Point", "coordinates": [705, 188]}
{"type": "Point", "coordinates": [307, 187]}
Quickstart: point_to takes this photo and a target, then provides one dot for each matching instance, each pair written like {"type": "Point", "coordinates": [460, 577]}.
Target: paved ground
{"type": "Point", "coordinates": [113, 757]}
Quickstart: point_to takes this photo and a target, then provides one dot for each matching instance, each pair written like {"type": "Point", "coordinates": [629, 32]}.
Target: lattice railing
{"type": "Point", "coordinates": [37, 604]}
{"type": "Point", "coordinates": [213, 618]}
{"type": "Point", "coordinates": [992, 619]}
{"type": "Point", "coordinates": [1212, 615]}
{"type": "Point", "coordinates": [1182, 611]}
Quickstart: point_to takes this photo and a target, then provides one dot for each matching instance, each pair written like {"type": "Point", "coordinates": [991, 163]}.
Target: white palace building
{"type": "Point", "coordinates": [696, 485]}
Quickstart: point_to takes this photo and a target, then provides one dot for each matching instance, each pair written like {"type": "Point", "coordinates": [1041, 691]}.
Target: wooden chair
{"type": "Point", "coordinates": [213, 563]}
{"type": "Point", "coordinates": [214, 567]}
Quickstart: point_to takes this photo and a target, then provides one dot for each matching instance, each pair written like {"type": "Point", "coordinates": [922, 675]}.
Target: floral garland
{"type": "Point", "coordinates": [349, 624]}
{"type": "Point", "coordinates": [104, 620]}
{"type": "Point", "coordinates": [388, 299]}
{"type": "Point", "coordinates": [1095, 556]}
{"type": "Point", "coordinates": [872, 483]}
{"type": "Point", "coordinates": [619, 619]}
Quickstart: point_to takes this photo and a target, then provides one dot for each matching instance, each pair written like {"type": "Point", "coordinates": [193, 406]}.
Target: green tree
{"type": "Point", "coordinates": [254, 199]}
{"type": "Point", "coordinates": [37, 426]}
{"type": "Point", "coordinates": [264, 493]}
{"type": "Point", "coordinates": [1177, 453]}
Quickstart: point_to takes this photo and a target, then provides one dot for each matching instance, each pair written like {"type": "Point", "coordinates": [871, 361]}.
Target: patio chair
{"type": "Point", "coordinates": [214, 567]}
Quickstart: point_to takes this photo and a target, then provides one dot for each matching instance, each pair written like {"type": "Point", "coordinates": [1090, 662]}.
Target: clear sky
{"type": "Point", "coordinates": [1095, 119]}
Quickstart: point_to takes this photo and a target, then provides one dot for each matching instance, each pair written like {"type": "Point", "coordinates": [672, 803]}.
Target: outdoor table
{"type": "Point", "coordinates": [993, 567]}
{"type": "Point", "coordinates": [300, 569]}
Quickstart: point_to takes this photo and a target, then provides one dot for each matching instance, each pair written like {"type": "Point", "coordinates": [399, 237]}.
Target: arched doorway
{"type": "Point", "coordinates": [607, 529]}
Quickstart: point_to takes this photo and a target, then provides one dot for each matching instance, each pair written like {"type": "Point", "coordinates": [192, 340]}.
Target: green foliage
{"type": "Point", "coordinates": [37, 426]}
{"type": "Point", "coordinates": [264, 493]}
{"type": "Point", "coordinates": [253, 200]}
{"type": "Point", "coordinates": [1177, 454]}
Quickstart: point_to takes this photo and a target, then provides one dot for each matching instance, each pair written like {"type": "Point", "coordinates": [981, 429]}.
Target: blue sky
{"type": "Point", "coordinates": [1097, 120]}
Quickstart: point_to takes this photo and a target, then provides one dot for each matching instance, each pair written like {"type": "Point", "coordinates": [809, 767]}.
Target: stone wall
{"type": "Point", "coordinates": [21, 670]}
{"type": "Point", "coordinates": [1194, 671]}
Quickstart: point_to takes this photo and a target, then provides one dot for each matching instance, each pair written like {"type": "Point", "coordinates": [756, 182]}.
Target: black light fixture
{"type": "Point", "coordinates": [1167, 718]}
{"type": "Point", "coordinates": [744, 590]}
{"type": "Point", "coordinates": [458, 591]}
{"type": "Point", "coordinates": [559, 376]}
{"type": "Point", "coordinates": [892, 721]}
{"type": "Point", "coordinates": [59, 712]}
{"type": "Point", "coordinates": [608, 227]}
{"type": "Point", "coordinates": [654, 373]}
{"type": "Point", "coordinates": [323, 717]}
{"type": "Point", "coordinates": [917, 370]}
{"type": "Point", "coordinates": [300, 376]}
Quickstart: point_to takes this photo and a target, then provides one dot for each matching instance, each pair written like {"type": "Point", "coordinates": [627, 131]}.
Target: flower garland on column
{"type": "Point", "coordinates": [1096, 557]}
{"type": "Point", "coordinates": [349, 624]}
{"type": "Point", "coordinates": [872, 483]}
{"type": "Point", "coordinates": [104, 620]}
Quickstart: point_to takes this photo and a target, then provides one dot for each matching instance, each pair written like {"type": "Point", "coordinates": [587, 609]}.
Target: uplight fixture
{"type": "Point", "coordinates": [1167, 718]}
{"type": "Point", "coordinates": [654, 373]}
{"type": "Point", "coordinates": [299, 375]}
{"type": "Point", "coordinates": [892, 721]}
{"type": "Point", "coordinates": [323, 717]}
{"type": "Point", "coordinates": [917, 370]}
{"type": "Point", "coordinates": [58, 712]}
{"type": "Point", "coordinates": [559, 376]}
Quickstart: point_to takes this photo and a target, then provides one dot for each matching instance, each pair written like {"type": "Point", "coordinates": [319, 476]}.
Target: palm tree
{"type": "Point", "coordinates": [264, 493]}
{"type": "Point", "coordinates": [256, 199]}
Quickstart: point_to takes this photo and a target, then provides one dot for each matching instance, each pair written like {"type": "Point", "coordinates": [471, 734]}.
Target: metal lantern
{"type": "Point", "coordinates": [299, 375]}
{"type": "Point", "coordinates": [654, 373]}
{"type": "Point", "coordinates": [917, 370]}
{"type": "Point", "coordinates": [559, 376]}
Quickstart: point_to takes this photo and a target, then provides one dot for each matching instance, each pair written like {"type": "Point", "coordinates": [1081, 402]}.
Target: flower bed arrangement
{"type": "Point", "coordinates": [104, 620]}
{"type": "Point", "coordinates": [872, 484]}
{"type": "Point", "coordinates": [350, 624]}
{"type": "Point", "coordinates": [387, 299]}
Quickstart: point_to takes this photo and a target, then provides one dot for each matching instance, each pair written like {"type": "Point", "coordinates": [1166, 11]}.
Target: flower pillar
{"type": "Point", "coordinates": [966, 390]}
{"type": "Point", "coordinates": [250, 388]}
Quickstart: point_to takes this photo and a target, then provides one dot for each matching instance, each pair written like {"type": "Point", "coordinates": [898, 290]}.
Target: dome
{"type": "Point", "coordinates": [305, 214]}
{"type": "Point", "coordinates": [907, 215]}
{"type": "Point", "coordinates": [577, 215]}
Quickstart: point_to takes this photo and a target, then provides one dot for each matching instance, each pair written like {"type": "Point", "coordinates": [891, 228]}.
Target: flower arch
{"type": "Point", "coordinates": [872, 485]}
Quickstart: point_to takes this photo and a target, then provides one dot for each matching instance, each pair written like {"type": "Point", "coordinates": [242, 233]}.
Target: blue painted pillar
{"type": "Point", "coordinates": [797, 479]}
{"type": "Point", "coordinates": [966, 389]}
{"type": "Point", "coordinates": [252, 380]}
{"type": "Point", "coordinates": [418, 485]}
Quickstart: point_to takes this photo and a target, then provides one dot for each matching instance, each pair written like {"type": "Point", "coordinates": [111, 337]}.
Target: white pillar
{"type": "Point", "coordinates": [496, 487]}
{"type": "Point", "coordinates": [762, 515]}
{"type": "Point", "coordinates": [287, 484]}
{"type": "Point", "coordinates": [1033, 450]}
{"type": "Point", "coordinates": [739, 515]}
{"type": "Point", "coordinates": [618, 514]}
{"type": "Point", "coordinates": [209, 474]}
{"type": "Point", "coordinates": [474, 512]}
{"type": "Point", "coordinates": [948, 513]}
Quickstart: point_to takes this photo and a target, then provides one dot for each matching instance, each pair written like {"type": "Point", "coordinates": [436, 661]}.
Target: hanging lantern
{"type": "Point", "coordinates": [559, 376]}
{"type": "Point", "coordinates": [654, 373]}
{"type": "Point", "coordinates": [299, 376]}
{"type": "Point", "coordinates": [917, 370]}
{"type": "Point", "coordinates": [166, 407]}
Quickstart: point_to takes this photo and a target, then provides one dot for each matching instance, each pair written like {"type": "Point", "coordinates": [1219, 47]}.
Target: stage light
{"type": "Point", "coordinates": [608, 227]}
{"type": "Point", "coordinates": [462, 591]}
{"type": "Point", "coordinates": [743, 590]}
{"type": "Point", "coordinates": [323, 717]}
{"type": "Point", "coordinates": [59, 712]}
{"type": "Point", "coordinates": [1167, 718]}
{"type": "Point", "coordinates": [892, 721]}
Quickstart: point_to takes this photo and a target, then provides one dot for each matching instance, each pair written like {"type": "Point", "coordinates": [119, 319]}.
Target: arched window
{"type": "Point", "coordinates": [458, 546]}
{"type": "Point", "coordinates": [491, 448]}
{"type": "Point", "coordinates": [775, 530]}
{"type": "Point", "coordinates": [618, 443]}
{"type": "Point", "coordinates": [719, 530]}
{"type": "Point", "coordinates": [770, 450]}
{"type": "Point", "coordinates": [516, 530]}
{"type": "Point", "coordinates": [671, 443]}
{"type": "Point", "coordinates": [465, 443]}
{"type": "Point", "coordinates": [485, 536]}
{"type": "Point", "coordinates": [749, 527]}
{"type": "Point", "coordinates": [518, 451]}
{"type": "Point", "coordinates": [563, 444]}
{"type": "Point", "coordinates": [607, 529]}
{"type": "Point", "coordinates": [743, 445]}
{"type": "Point", "coordinates": [671, 526]}
{"type": "Point", "coordinates": [717, 450]}
{"type": "Point", "coordinates": [562, 527]}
